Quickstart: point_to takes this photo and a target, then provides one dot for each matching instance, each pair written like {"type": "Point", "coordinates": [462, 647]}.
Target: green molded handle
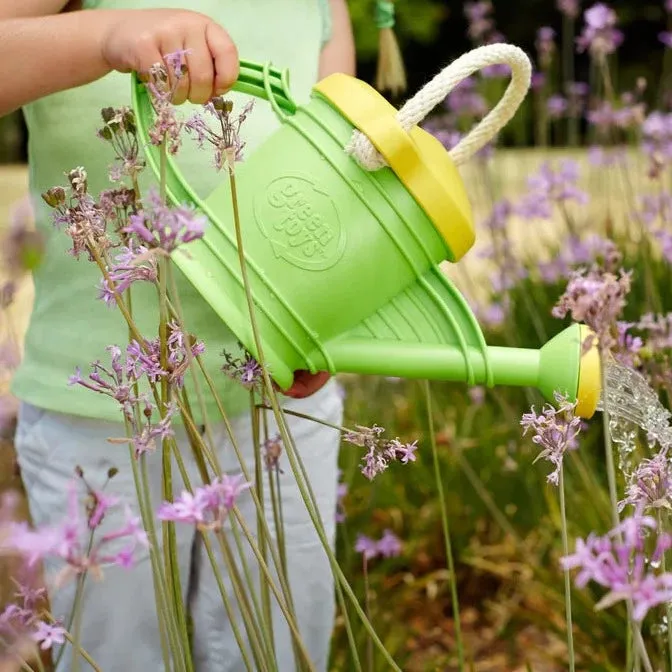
{"type": "Point", "coordinates": [260, 80]}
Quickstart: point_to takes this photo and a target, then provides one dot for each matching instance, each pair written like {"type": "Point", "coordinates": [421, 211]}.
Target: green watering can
{"type": "Point", "coordinates": [342, 246]}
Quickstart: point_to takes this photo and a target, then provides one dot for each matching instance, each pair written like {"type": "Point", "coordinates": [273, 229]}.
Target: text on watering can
{"type": "Point", "coordinates": [301, 223]}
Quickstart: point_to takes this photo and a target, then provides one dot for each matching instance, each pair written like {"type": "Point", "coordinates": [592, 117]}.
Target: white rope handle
{"type": "Point", "coordinates": [425, 100]}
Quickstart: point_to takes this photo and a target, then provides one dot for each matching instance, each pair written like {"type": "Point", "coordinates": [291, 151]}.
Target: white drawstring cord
{"type": "Point", "coordinates": [436, 90]}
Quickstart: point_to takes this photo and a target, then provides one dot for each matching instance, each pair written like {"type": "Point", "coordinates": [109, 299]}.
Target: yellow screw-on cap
{"type": "Point", "coordinates": [417, 158]}
{"type": "Point", "coordinates": [590, 377]}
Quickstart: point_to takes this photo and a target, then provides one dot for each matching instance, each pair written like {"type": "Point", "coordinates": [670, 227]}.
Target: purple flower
{"type": "Point", "coordinates": [659, 331]}
{"type": "Point", "coordinates": [657, 140]}
{"type": "Point", "coordinates": [549, 187]}
{"type": "Point", "coordinates": [380, 452]}
{"type": "Point", "coordinates": [666, 38]}
{"type": "Point", "coordinates": [604, 157]}
{"type": "Point", "coordinates": [492, 315]}
{"type": "Point", "coordinates": [650, 486]}
{"type": "Point", "coordinates": [46, 635]}
{"type": "Point", "coordinates": [120, 130]}
{"type": "Point", "coordinates": [551, 271]}
{"type": "Point", "coordinates": [160, 226]}
{"type": "Point", "coordinates": [668, 6]}
{"type": "Point", "coordinates": [208, 506]}
{"type": "Point", "coordinates": [602, 117]}
{"type": "Point", "coordinates": [477, 395]}
{"type": "Point", "coordinates": [69, 541]}
{"type": "Point", "coordinates": [18, 619]}
{"type": "Point", "coordinates": [545, 44]}
{"type": "Point", "coordinates": [225, 136]}
{"type": "Point", "coordinates": [163, 81]}
{"type": "Point", "coordinates": [499, 216]}
{"type": "Point", "coordinates": [132, 264]}
{"type": "Point", "coordinates": [246, 370]}
{"type": "Point", "coordinates": [664, 238]}
{"type": "Point", "coordinates": [591, 249]}
{"type": "Point", "coordinates": [538, 81]}
{"type": "Point", "coordinates": [98, 505]}
{"type": "Point", "coordinates": [555, 431]}
{"type": "Point", "coordinates": [113, 381]}
{"type": "Point", "coordinates": [569, 8]}
{"type": "Point", "coordinates": [144, 360]}
{"type": "Point", "coordinates": [147, 435]}
{"type": "Point", "coordinates": [628, 347]}
{"type": "Point", "coordinates": [404, 452]}
{"type": "Point", "coordinates": [177, 63]}
{"type": "Point", "coordinates": [596, 298]}
{"type": "Point", "coordinates": [576, 93]}
{"type": "Point", "coordinates": [600, 35]}
{"type": "Point", "coordinates": [479, 19]}
{"type": "Point", "coordinates": [366, 546]}
{"type": "Point", "coordinates": [656, 207]}
{"type": "Point", "coordinates": [79, 216]}
{"type": "Point", "coordinates": [465, 101]}
{"type": "Point", "coordinates": [119, 379]}
{"type": "Point", "coordinates": [498, 70]}
{"type": "Point", "coordinates": [388, 546]}
{"type": "Point", "coordinates": [556, 106]}
{"type": "Point", "coordinates": [116, 205]}
{"type": "Point", "coordinates": [617, 561]}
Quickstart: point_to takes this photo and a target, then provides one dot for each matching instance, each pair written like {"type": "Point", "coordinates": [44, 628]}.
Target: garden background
{"type": "Point", "coordinates": [504, 515]}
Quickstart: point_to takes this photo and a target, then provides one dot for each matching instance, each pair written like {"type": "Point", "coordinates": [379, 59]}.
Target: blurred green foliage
{"type": "Point", "coordinates": [417, 21]}
{"type": "Point", "coordinates": [504, 516]}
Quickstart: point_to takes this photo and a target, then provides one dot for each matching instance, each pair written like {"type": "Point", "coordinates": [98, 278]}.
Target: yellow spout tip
{"type": "Point", "coordinates": [589, 388]}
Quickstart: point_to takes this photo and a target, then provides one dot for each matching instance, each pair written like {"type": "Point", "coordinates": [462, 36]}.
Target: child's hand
{"type": "Point", "coordinates": [137, 39]}
{"type": "Point", "coordinates": [306, 383]}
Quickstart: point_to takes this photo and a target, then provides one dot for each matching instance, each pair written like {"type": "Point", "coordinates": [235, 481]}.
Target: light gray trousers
{"type": "Point", "coordinates": [119, 625]}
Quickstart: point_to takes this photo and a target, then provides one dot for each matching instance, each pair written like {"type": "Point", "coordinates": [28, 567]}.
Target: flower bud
{"type": "Point", "coordinates": [54, 197]}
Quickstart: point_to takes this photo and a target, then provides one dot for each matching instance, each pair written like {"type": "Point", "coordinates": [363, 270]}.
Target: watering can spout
{"type": "Point", "coordinates": [562, 365]}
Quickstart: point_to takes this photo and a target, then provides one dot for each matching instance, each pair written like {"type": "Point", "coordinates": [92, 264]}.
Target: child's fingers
{"type": "Point", "coordinates": [225, 56]}
{"type": "Point", "coordinates": [201, 68]}
{"type": "Point", "coordinates": [306, 383]}
{"type": "Point", "coordinates": [146, 55]}
{"type": "Point", "coordinates": [172, 44]}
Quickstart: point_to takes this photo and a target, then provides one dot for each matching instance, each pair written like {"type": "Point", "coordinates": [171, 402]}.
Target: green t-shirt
{"type": "Point", "coordinates": [69, 326]}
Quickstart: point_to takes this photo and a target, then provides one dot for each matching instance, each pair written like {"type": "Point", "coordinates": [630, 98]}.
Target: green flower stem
{"type": "Point", "coordinates": [259, 485]}
{"type": "Point", "coordinates": [228, 606]}
{"type": "Point", "coordinates": [250, 623]}
{"type": "Point", "coordinates": [168, 610]}
{"type": "Point", "coordinates": [568, 583]}
{"type": "Point", "coordinates": [279, 598]}
{"type": "Point", "coordinates": [446, 528]}
{"type": "Point", "coordinates": [246, 475]}
{"type": "Point", "coordinates": [76, 612]}
{"type": "Point", "coordinates": [668, 607]}
{"type": "Point", "coordinates": [175, 305]}
{"type": "Point", "coordinates": [157, 577]}
{"type": "Point", "coordinates": [257, 634]}
{"type": "Point", "coordinates": [168, 530]}
{"type": "Point", "coordinates": [79, 651]}
{"type": "Point", "coordinates": [270, 642]}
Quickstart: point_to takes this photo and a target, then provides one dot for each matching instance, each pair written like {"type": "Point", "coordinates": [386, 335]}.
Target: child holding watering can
{"type": "Point", "coordinates": [63, 63]}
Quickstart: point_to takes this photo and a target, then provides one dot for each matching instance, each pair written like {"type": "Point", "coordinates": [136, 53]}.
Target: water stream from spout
{"type": "Point", "coordinates": [632, 403]}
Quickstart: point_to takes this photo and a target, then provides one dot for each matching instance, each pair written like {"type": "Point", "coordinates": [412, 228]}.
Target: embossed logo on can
{"type": "Point", "coordinates": [301, 222]}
